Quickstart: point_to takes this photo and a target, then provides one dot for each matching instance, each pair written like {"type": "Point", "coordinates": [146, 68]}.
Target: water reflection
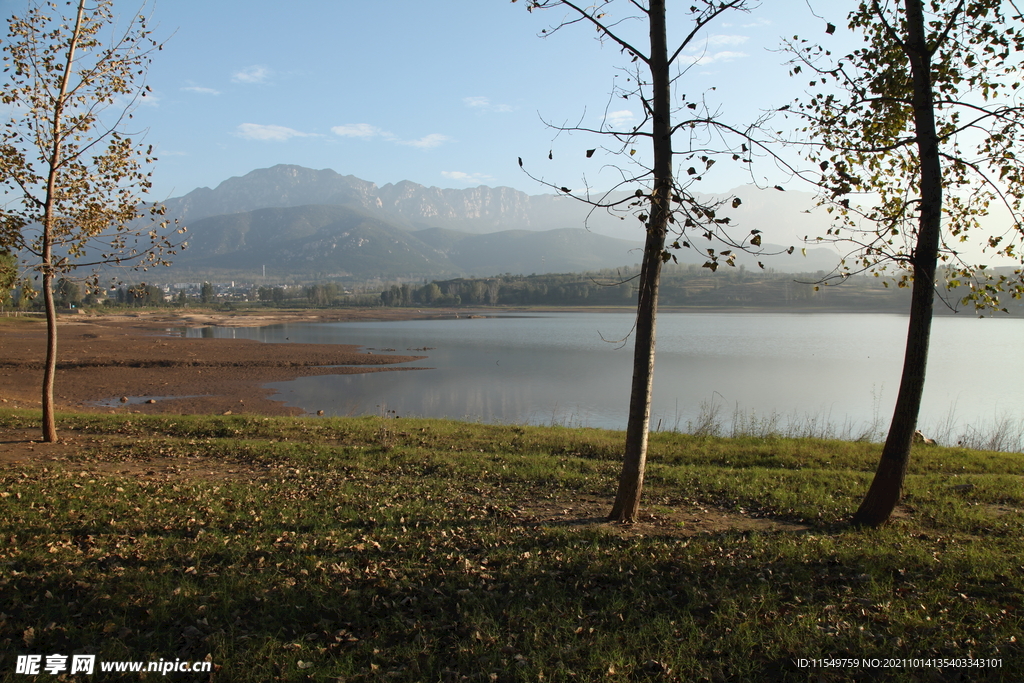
{"type": "Point", "coordinates": [559, 368]}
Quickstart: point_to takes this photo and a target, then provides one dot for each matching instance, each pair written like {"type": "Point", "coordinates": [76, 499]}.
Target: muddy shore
{"type": "Point", "coordinates": [143, 358]}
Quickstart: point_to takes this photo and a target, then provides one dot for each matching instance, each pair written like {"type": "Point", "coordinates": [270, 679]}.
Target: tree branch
{"type": "Point", "coordinates": [584, 15]}
{"type": "Point", "coordinates": [701, 22]}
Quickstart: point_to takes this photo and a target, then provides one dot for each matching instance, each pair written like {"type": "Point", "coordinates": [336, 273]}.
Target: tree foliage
{"type": "Point", "coordinates": [916, 136]}
{"type": "Point", "coordinates": [71, 172]}
{"type": "Point", "coordinates": [207, 293]}
{"type": "Point", "coordinates": [8, 277]}
{"type": "Point", "coordinates": [864, 123]}
{"type": "Point", "coordinates": [72, 175]}
{"type": "Point", "coordinates": [68, 292]}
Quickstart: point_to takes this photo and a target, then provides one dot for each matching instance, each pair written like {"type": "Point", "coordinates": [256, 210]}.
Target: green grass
{"type": "Point", "coordinates": [12, 321]}
{"type": "Point", "coordinates": [373, 549]}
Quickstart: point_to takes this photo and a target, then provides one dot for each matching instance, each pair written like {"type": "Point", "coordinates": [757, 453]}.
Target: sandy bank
{"type": "Point", "coordinates": [102, 358]}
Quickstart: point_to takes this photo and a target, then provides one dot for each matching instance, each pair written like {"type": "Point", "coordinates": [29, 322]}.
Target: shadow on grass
{"type": "Point", "coordinates": [499, 600]}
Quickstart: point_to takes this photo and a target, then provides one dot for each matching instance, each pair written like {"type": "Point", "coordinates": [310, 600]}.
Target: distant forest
{"type": "Point", "coordinates": [683, 285]}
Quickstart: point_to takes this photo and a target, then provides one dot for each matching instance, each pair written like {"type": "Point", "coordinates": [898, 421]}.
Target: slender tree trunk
{"type": "Point", "coordinates": [627, 500]}
{"type": "Point", "coordinates": [50, 370]}
{"type": "Point", "coordinates": [49, 220]}
{"type": "Point", "coordinates": [887, 486]}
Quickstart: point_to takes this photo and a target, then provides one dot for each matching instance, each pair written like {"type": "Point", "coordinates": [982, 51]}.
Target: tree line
{"type": "Point", "coordinates": [681, 286]}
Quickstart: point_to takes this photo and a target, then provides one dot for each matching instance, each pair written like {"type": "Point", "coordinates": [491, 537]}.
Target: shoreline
{"type": "Point", "coordinates": [137, 356]}
{"type": "Point", "coordinates": [128, 364]}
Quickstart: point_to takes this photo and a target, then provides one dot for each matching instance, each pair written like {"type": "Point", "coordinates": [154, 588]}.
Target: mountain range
{"type": "Point", "coordinates": [340, 241]}
{"type": "Point", "coordinates": [300, 222]}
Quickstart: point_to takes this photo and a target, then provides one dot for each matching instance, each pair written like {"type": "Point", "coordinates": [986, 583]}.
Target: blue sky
{"type": "Point", "coordinates": [447, 94]}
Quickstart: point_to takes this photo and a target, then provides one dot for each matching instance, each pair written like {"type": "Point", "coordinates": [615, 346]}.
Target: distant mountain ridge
{"type": "Point", "coordinates": [478, 210]}
{"type": "Point", "coordinates": [302, 221]}
{"type": "Point", "coordinates": [339, 241]}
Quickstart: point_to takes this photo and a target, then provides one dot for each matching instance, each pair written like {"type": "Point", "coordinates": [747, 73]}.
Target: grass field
{"type": "Point", "coordinates": [371, 549]}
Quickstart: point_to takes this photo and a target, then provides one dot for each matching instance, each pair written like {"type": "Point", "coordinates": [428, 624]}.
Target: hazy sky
{"type": "Point", "coordinates": [441, 93]}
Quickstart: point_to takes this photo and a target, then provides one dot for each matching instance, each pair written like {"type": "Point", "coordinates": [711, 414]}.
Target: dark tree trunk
{"type": "Point", "coordinates": [627, 500]}
{"type": "Point", "coordinates": [887, 486]}
{"type": "Point", "coordinates": [50, 371]}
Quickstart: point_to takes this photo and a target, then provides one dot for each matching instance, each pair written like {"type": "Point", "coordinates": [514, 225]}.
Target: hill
{"type": "Point", "coordinates": [563, 250]}
{"type": "Point", "coordinates": [306, 240]}
{"type": "Point", "coordinates": [407, 204]}
{"type": "Point", "coordinates": [303, 222]}
{"type": "Point", "coordinates": [339, 241]}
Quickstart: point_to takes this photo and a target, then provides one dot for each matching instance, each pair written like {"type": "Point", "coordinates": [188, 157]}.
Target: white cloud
{"type": "Point", "coordinates": [201, 90]}
{"type": "Point", "coordinates": [727, 40]}
{"type": "Point", "coordinates": [617, 119]}
{"type": "Point", "coordinates": [753, 24]}
{"type": "Point", "coordinates": [708, 56]}
{"type": "Point", "coordinates": [705, 58]}
{"type": "Point", "coordinates": [366, 131]}
{"type": "Point", "coordinates": [467, 178]}
{"type": "Point", "coordinates": [481, 103]}
{"type": "Point", "coordinates": [251, 74]}
{"type": "Point", "coordinates": [427, 141]}
{"type": "Point", "coordinates": [726, 56]}
{"type": "Point", "coordinates": [360, 130]}
{"type": "Point", "coordinates": [256, 131]}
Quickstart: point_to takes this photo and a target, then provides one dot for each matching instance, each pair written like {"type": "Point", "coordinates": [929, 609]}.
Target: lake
{"type": "Point", "coordinates": [573, 369]}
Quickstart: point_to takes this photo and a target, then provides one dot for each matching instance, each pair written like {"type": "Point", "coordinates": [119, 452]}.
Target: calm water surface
{"type": "Point", "coordinates": [566, 368]}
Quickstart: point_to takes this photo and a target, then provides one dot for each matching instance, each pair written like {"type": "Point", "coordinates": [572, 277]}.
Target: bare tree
{"type": "Point", "coordinates": [916, 135]}
{"type": "Point", "coordinates": [663, 203]}
{"type": "Point", "coordinates": [71, 173]}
